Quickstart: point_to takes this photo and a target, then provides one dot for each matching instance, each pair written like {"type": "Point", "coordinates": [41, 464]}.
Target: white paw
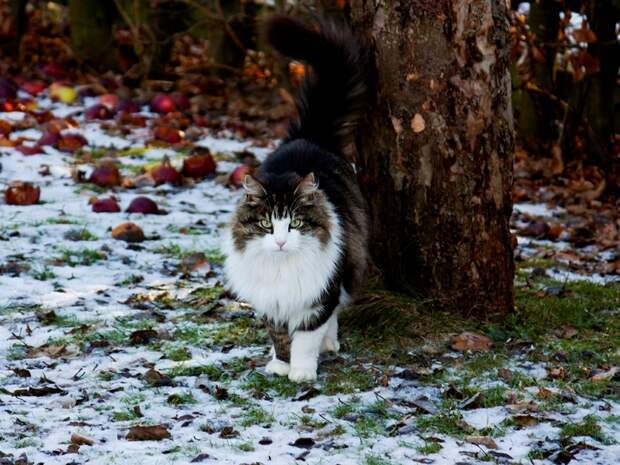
{"type": "Point", "coordinates": [330, 345]}
{"type": "Point", "coordinates": [277, 367]}
{"type": "Point", "coordinates": [303, 373]}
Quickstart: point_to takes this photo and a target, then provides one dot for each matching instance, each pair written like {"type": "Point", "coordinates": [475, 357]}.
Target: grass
{"type": "Point", "coordinates": [587, 427]}
{"type": "Point", "coordinates": [127, 414]}
{"type": "Point", "coordinates": [428, 448]}
{"type": "Point", "coordinates": [347, 380]}
{"type": "Point", "coordinates": [376, 460]}
{"type": "Point", "coordinates": [257, 416]}
{"type": "Point", "coordinates": [81, 257]}
{"type": "Point", "coordinates": [181, 399]}
{"type": "Point", "coordinates": [213, 372]}
{"type": "Point", "coordinates": [178, 354]}
{"type": "Point", "coordinates": [273, 385]}
{"type": "Point", "coordinates": [448, 423]}
{"type": "Point", "coordinates": [43, 274]}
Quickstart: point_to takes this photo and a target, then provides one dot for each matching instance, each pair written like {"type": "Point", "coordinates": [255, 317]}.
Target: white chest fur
{"type": "Point", "coordinates": [284, 286]}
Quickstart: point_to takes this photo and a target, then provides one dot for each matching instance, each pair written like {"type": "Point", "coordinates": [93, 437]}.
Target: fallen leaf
{"type": "Point", "coordinates": [303, 443]}
{"type": "Point", "coordinates": [81, 440]}
{"type": "Point", "coordinates": [481, 441]}
{"type": "Point", "coordinates": [148, 433]}
{"type": "Point", "coordinates": [471, 341]}
{"type": "Point", "coordinates": [605, 375]}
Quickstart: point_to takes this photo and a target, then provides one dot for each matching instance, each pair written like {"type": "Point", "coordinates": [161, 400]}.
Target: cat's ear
{"type": "Point", "coordinates": [308, 185]}
{"type": "Point", "coordinates": [252, 186]}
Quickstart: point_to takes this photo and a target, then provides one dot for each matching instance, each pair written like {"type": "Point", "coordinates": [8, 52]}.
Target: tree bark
{"type": "Point", "coordinates": [91, 32]}
{"type": "Point", "coordinates": [436, 151]}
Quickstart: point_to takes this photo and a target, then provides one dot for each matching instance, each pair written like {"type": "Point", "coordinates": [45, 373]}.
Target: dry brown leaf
{"type": "Point", "coordinates": [471, 341]}
{"type": "Point", "coordinates": [481, 441]}
{"type": "Point", "coordinates": [148, 433]}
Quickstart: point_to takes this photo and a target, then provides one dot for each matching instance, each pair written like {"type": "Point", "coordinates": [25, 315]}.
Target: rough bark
{"type": "Point", "coordinates": [603, 17]}
{"type": "Point", "coordinates": [436, 153]}
{"type": "Point", "coordinates": [91, 32]}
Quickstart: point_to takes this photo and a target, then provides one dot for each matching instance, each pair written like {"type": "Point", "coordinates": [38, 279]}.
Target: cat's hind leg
{"type": "Point", "coordinates": [305, 349]}
{"type": "Point", "coordinates": [330, 341]}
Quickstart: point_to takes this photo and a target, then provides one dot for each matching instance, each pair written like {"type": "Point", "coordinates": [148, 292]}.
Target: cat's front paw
{"type": "Point", "coordinates": [302, 373]}
{"type": "Point", "coordinates": [277, 367]}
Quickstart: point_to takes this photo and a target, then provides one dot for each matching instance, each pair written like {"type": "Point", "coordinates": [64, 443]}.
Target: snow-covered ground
{"type": "Point", "coordinates": [76, 354]}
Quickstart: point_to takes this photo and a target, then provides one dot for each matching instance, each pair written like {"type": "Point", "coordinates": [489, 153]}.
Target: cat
{"type": "Point", "coordinates": [296, 249]}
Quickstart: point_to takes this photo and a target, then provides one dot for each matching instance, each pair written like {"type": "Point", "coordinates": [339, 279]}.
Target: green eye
{"type": "Point", "coordinates": [295, 223]}
{"type": "Point", "coordinates": [265, 224]}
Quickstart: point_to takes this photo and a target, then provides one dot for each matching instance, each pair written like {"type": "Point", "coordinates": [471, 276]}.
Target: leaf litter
{"type": "Point", "coordinates": [116, 349]}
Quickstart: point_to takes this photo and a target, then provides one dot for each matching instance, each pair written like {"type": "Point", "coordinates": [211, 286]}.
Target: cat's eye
{"type": "Point", "coordinates": [295, 223]}
{"type": "Point", "coordinates": [265, 224]}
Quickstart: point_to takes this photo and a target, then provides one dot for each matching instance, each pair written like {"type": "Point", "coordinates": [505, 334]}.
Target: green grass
{"type": "Point", "coordinates": [376, 460]}
{"type": "Point", "coordinates": [178, 354]}
{"type": "Point", "coordinates": [213, 372]}
{"type": "Point", "coordinates": [587, 427]}
{"type": "Point", "coordinates": [181, 399]}
{"type": "Point", "coordinates": [127, 414]}
{"type": "Point", "coordinates": [257, 416]}
{"type": "Point", "coordinates": [448, 423]}
{"type": "Point", "coordinates": [274, 385]}
{"type": "Point", "coordinates": [347, 380]}
{"type": "Point", "coordinates": [43, 274]}
{"type": "Point", "coordinates": [428, 448]}
{"type": "Point", "coordinates": [82, 257]}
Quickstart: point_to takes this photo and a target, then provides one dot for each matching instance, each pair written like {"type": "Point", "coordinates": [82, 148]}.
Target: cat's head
{"type": "Point", "coordinates": [282, 214]}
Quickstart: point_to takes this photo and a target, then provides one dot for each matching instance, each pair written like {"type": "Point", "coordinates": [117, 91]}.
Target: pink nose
{"type": "Point", "coordinates": [280, 243]}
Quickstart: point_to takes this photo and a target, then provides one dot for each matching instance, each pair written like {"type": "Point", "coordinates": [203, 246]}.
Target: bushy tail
{"type": "Point", "coordinates": [333, 96]}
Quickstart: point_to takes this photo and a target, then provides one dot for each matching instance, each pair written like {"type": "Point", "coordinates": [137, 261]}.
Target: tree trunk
{"type": "Point", "coordinates": [436, 153]}
{"type": "Point", "coordinates": [91, 32]}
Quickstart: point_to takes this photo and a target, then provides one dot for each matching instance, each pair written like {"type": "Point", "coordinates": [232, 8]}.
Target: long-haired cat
{"type": "Point", "coordinates": [296, 248]}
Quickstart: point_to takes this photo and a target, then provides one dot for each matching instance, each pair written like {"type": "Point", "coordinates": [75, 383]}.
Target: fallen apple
{"type": "Point", "coordinates": [163, 103]}
{"type": "Point", "coordinates": [22, 193]}
{"type": "Point", "coordinates": [128, 232]}
{"type": "Point", "coordinates": [50, 138]}
{"type": "Point", "coordinates": [166, 173]}
{"type": "Point", "coordinates": [238, 175]}
{"type": "Point", "coordinates": [181, 102]}
{"type": "Point", "coordinates": [5, 128]}
{"type": "Point", "coordinates": [168, 134]}
{"type": "Point", "coordinates": [109, 101]}
{"type": "Point", "coordinates": [105, 176]}
{"type": "Point", "coordinates": [128, 106]}
{"type": "Point", "coordinates": [62, 93]}
{"type": "Point", "coordinates": [70, 142]}
{"type": "Point", "coordinates": [198, 166]}
{"type": "Point", "coordinates": [98, 111]}
{"type": "Point", "coordinates": [8, 89]}
{"type": "Point", "coordinates": [34, 88]}
{"type": "Point", "coordinates": [29, 149]}
{"type": "Point", "coordinates": [109, 205]}
{"type": "Point", "coordinates": [143, 205]}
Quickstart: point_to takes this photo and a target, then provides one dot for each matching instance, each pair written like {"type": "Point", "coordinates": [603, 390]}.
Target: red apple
{"type": "Point", "coordinates": [181, 102]}
{"type": "Point", "coordinates": [143, 205]}
{"type": "Point", "coordinates": [167, 134]}
{"type": "Point", "coordinates": [109, 205]}
{"type": "Point", "coordinates": [22, 193]}
{"type": "Point", "coordinates": [34, 88]}
{"type": "Point", "coordinates": [166, 173]}
{"type": "Point", "coordinates": [5, 128]}
{"type": "Point", "coordinates": [53, 70]}
{"type": "Point", "coordinates": [29, 150]}
{"type": "Point", "coordinates": [70, 142]}
{"type": "Point", "coordinates": [128, 106]}
{"type": "Point", "coordinates": [109, 100]}
{"type": "Point", "coordinates": [98, 111]}
{"type": "Point", "coordinates": [50, 138]}
{"type": "Point", "coordinates": [105, 176]}
{"type": "Point", "coordinates": [198, 166]}
{"type": "Point", "coordinates": [8, 89]}
{"type": "Point", "coordinates": [238, 175]}
{"type": "Point", "coordinates": [163, 103]}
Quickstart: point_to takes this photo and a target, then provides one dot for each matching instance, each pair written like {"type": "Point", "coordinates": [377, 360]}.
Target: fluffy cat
{"type": "Point", "coordinates": [296, 248]}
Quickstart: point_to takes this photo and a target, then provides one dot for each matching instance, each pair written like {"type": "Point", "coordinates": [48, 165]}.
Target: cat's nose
{"type": "Point", "coordinates": [280, 242]}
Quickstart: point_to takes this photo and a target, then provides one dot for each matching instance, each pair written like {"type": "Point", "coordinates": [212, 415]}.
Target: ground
{"type": "Point", "coordinates": [99, 336]}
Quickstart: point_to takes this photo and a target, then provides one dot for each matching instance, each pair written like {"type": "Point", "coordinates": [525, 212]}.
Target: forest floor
{"type": "Point", "coordinates": [125, 353]}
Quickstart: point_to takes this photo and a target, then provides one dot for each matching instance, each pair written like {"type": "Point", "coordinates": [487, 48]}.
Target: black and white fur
{"type": "Point", "coordinates": [296, 248]}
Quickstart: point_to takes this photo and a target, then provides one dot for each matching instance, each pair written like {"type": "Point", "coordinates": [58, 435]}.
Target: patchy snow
{"type": "Point", "coordinates": [102, 292]}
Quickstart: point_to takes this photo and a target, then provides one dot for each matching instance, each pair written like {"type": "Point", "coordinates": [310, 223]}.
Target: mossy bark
{"type": "Point", "coordinates": [91, 32]}
{"type": "Point", "coordinates": [436, 151]}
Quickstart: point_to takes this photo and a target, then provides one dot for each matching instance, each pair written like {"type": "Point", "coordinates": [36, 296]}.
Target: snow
{"type": "Point", "coordinates": [90, 293]}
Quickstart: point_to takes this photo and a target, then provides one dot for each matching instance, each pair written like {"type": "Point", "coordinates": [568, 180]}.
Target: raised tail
{"type": "Point", "coordinates": [332, 97]}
